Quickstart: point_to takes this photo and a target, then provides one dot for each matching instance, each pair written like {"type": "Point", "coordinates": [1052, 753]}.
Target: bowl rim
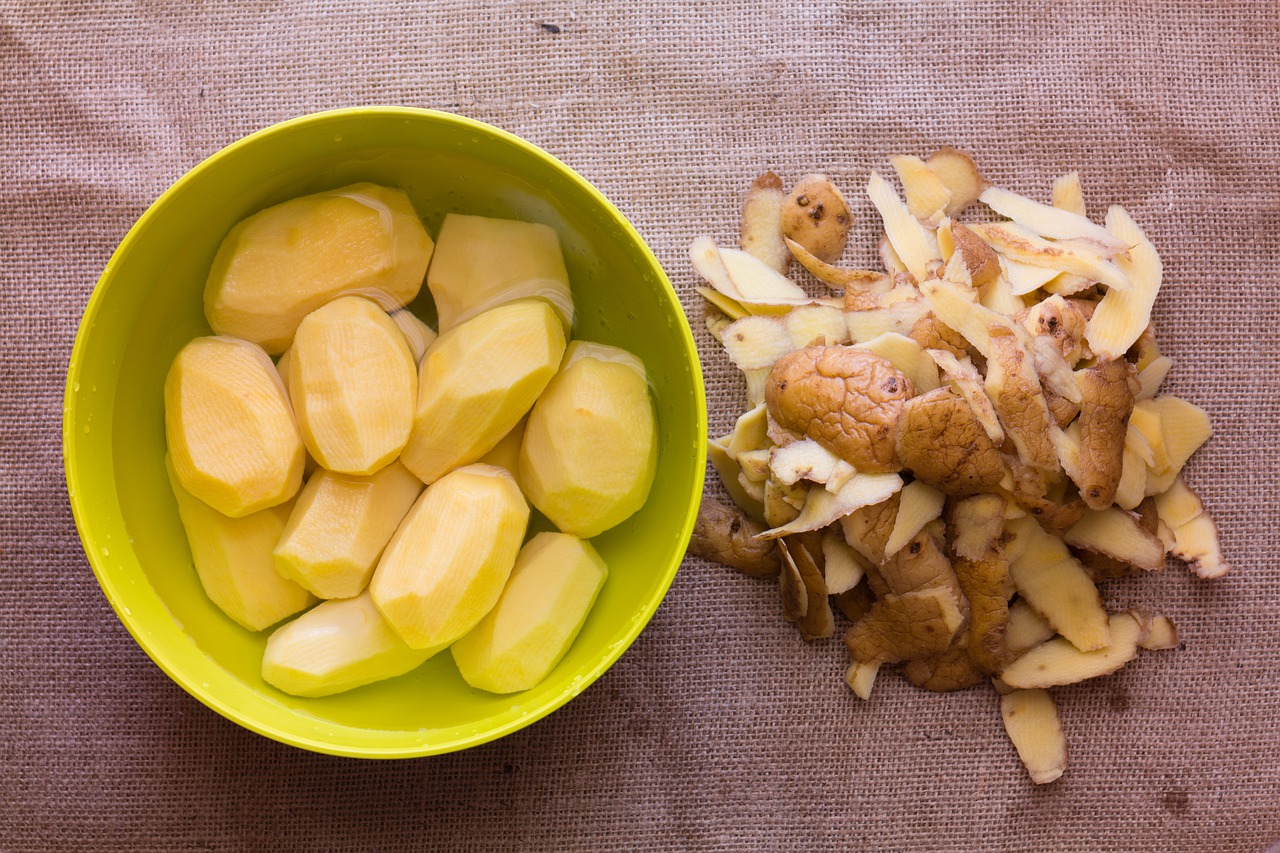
{"type": "Point", "coordinates": [114, 591]}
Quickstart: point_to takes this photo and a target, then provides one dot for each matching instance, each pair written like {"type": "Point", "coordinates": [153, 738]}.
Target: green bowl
{"type": "Point", "coordinates": [148, 304]}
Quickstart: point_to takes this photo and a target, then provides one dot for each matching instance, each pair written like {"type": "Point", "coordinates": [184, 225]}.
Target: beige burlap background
{"type": "Point", "coordinates": [719, 729]}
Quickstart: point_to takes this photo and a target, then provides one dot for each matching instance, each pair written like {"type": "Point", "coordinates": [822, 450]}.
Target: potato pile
{"type": "Point", "coordinates": [959, 447]}
{"type": "Point", "coordinates": [421, 454]}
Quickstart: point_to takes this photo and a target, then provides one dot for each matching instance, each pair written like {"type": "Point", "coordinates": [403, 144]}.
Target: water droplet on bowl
{"type": "Point", "coordinates": [105, 552]}
{"type": "Point", "coordinates": [75, 386]}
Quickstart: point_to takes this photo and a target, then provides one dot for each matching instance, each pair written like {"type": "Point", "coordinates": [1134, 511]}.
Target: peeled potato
{"type": "Point", "coordinates": [233, 560]}
{"type": "Point", "coordinates": [552, 587]}
{"type": "Point", "coordinates": [339, 527]}
{"type": "Point", "coordinates": [230, 430]}
{"type": "Point", "coordinates": [353, 382]}
{"type": "Point", "coordinates": [481, 262]}
{"type": "Point", "coordinates": [447, 563]}
{"type": "Point", "coordinates": [589, 450]}
{"type": "Point", "coordinates": [282, 263]}
{"type": "Point", "coordinates": [477, 381]}
{"type": "Point", "coordinates": [337, 646]}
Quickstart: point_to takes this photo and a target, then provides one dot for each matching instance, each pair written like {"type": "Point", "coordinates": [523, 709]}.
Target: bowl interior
{"type": "Point", "coordinates": [148, 304]}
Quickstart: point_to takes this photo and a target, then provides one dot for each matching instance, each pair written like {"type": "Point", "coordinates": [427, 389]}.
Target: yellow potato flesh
{"type": "Point", "coordinates": [337, 646]}
{"type": "Point", "coordinates": [353, 383]}
{"type": "Point", "coordinates": [477, 381]}
{"type": "Point", "coordinates": [590, 447]}
{"type": "Point", "coordinates": [339, 527]}
{"type": "Point", "coordinates": [279, 265]}
{"type": "Point", "coordinates": [447, 563]}
{"type": "Point", "coordinates": [233, 560]}
{"type": "Point", "coordinates": [554, 583]}
{"type": "Point", "coordinates": [506, 453]}
{"type": "Point", "coordinates": [480, 263]}
{"type": "Point", "coordinates": [230, 431]}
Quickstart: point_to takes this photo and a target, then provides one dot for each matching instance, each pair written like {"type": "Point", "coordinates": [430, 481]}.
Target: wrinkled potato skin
{"type": "Point", "coordinates": [903, 627]}
{"type": "Point", "coordinates": [1062, 410]}
{"type": "Point", "coordinates": [724, 534]}
{"type": "Point", "coordinates": [954, 669]}
{"type": "Point", "coordinates": [931, 333]}
{"type": "Point", "coordinates": [942, 442]}
{"type": "Point", "coordinates": [817, 217]}
{"type": "Point", "coordinates": [1107, 392]}
{"type": "Point", "coordinates": [1020, 401]}
{"type": "Point", "coordinates": [846, 399]}
{"type": "Point", "coordinates": [979, 258]}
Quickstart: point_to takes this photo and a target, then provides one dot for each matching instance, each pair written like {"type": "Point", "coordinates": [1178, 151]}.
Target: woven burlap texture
{"type": "Point", "coordinates": [720, 728]}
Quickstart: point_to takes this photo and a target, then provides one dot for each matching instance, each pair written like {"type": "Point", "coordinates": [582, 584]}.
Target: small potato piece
{"type": "Point", "coordinates": [339, 527]}
{"type": "Point", "coordinates": [868, 529]}
{"type": "Point", "coordinates": [817, 621]}
{"type": "Point", "coordinates": [340, 645]}
{"type": "Point", "coordinates": [904, 627]}
{"type": "Point", "coordinates": [725, 534]}
{"type": "Point", "coordinates": [353, 382]}
{"type": "Point", "coordinates": [1054, 583]}
{"type": "Point", "coordinates": [920, 565]}
{"type": "Point", "coordinates": [957, 171]}
{"type": "Point", "coordinates": [1068, 194]}
{"type": "Point", "coordinates": [760, 233]}
{"type": "Point", "coordinates": [1197, 542]}
{"type": "Point", "coordinates": [1118, 535]}
{"type": "Point", "coordinates": [1014, 388]}
{"type": "Point", "coordinates": [230, 430]}
{"type": "Point", "coordinates": [860, 678]}
{"type": "Point", "coordinates": [232, 557]}
{"type": "Point", "coordinates": [481, 262]}
{"type": "Point", "coordinates": [1061, 321]}
{"type": "Point", "coordinates": [816, 216]}
{"type": "Point", "coordinates": [986, 584]}
{"type": "Point", "coordinates": [845, 399]}
{"type": "Point", "coordinates": [920, 504]}
{"type": "Point", "coordinates": [942, 442]}
{"type": "Point", "coordinates": [1059, 662]}
{"type": "Point", "coordinates": [1107, 391]}
{"type": "Point", "coordinates": [954, 669]}
{"type": "Point", "coordinates": [927, 196]}
{"type": "Point", "coordinates": [1163, 635]}
{"type": "Point", "coordinates": [979, 259]}
{"type": "Point", "coordinates": [1031, 721]}
{"type": "Point", "coordinates": [477, 381]}
{"type": "Point", "coordinates": [590, 447]}
{"type": "Point", "coordinates": [448, 561]}
{"type": "Point", "coordinates": [282, 263]}
{"type": "Point", "coordinates": [1025, 630]}
{"type": "Point", "coordinates": [552, 588]}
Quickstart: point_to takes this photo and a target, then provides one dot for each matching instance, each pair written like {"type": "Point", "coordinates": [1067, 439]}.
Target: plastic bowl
{"type": "Point", "coordinates": [148, 304]}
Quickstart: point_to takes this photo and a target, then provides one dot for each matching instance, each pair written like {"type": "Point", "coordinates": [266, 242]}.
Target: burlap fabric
{"type": "Point", "coordinates": [719, 729]}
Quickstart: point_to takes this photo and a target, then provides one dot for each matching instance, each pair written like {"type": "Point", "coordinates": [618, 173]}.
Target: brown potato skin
{"type": "Point", "coordinates": [979, 258]}
{"type": "Point", "coordinates": [846, 399]}
{"type": "Point", "coordinates": [1107, 391]}
{"type": "Point", "coordinates": [942, 442]}
{"type": "Point", "coordinates": [954, 669]}
{"type": "Point", "coordinates": [724, 534]}
{"type": "Point", "coordinates": [931, 333]}
{"type": "Point", "coordinates": [816, 216]}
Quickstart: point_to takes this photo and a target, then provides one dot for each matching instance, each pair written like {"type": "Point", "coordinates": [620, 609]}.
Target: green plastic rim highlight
{"type": "Point", "coordinates": [147, 303]}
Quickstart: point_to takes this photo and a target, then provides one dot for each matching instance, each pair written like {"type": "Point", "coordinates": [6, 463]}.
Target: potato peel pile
{"type": "Point", "coordinates": [957, 449]}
